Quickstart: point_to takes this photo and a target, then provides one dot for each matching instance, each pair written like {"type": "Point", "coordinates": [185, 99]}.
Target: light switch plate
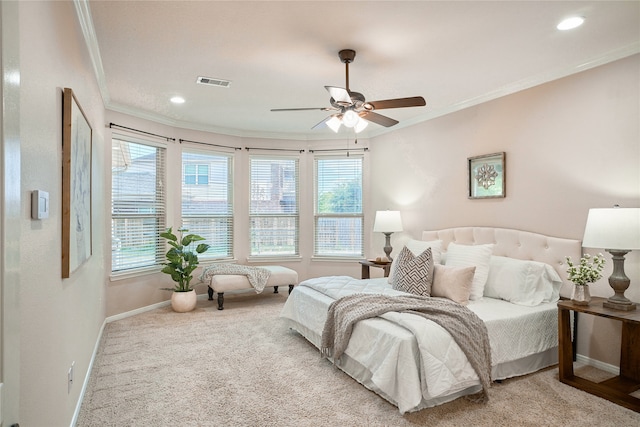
{"type": "Point", "coordinates": [39, 204]}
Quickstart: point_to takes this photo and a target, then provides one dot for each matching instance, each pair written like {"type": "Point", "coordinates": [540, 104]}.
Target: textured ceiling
{"type": "Point", "coordinates": [281, 55]}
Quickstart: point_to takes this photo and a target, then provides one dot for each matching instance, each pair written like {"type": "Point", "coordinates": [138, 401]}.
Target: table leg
{"type": "Point", "coordinates": [565, 351]}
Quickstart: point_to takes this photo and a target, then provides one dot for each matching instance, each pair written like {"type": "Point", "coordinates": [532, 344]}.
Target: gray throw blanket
{"type": "Point", "coordinates": [466, 328]}
{"type": "Point", "coordinates": [257, 276]}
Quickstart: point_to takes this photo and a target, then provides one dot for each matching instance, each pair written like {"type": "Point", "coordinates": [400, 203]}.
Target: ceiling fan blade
{"type": "Point", "coordinates": [414, 101]}
{"type": "Point", "coordinates": [340, 95]}
{"type": "Point", "coordinates": [304, 109]}
{"type": "Point", "coordinates": [378, 118]}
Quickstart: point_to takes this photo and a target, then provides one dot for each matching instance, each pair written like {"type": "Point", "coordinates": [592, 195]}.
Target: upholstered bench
{"type": "Point", "coordinates": [279, 276]}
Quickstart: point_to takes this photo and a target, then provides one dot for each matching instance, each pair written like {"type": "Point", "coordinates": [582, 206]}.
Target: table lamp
{"type": "Point", "coordinates": [617, 230]}
{"type": "Point", "coordinates": [387, 222]}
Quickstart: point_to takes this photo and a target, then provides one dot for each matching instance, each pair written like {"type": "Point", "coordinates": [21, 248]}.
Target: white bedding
{"type": "Point", "coordinates": [384, 355]}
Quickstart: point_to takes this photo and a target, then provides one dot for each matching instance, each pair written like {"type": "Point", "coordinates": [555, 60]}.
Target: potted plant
{"type": "Point", "coordinates": [181, 262]}
{"type": "Point", "coordinates": [587, 271]}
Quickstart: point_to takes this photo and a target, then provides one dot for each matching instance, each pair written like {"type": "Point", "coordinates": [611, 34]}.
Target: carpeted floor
{"type": "Point", "coordinates": [243, 367]}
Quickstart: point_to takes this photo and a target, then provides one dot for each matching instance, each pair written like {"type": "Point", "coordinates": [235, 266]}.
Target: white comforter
{"type": "Point", "coordinates": [385, 356]}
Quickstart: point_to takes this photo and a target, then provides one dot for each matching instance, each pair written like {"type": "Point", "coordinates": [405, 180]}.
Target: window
{"type": "Point", "coordinates": [338, 207]}
{"type": "Point", "coordinates": [195, 174]}
{"type": "Point", "coordinates": [207, 200]}
{"type": "Point", "coordinates": [273, 211]}
{"type": "Point", "coordinates": [137, 205]}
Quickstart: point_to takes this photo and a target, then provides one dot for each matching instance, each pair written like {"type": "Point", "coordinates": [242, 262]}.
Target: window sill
{"type": "Point", "coordinates": [337, 259]}
{"type": "Point", "coordinates": [274, 259]}
{"type": "Point", "coordinates": [138, 272]}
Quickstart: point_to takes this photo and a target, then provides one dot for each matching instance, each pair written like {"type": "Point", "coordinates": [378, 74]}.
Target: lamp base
{"type": "Point", "coordinates": [619, 306]}
{"type": "Point", "coordinates": [619, 282]}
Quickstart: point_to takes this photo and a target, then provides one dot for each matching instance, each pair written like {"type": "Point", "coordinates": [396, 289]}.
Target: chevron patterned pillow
{"type": "Point", "coordinates": [414, 274]}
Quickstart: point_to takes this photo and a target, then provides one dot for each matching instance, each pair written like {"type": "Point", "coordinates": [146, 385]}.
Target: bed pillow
{"type": "Point", "coordinates": [414, 273]}
{"type": "Point", "coordinates": [477, 256]}
{"type": "Point", "coordinates": [522, 282]}
{"type": "Point", "coordinates": [417, 247]}
{"type": "Point", "coordinates": [452, 282]}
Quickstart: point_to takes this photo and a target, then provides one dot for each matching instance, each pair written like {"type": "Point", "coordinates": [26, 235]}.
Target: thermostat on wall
{"type": "Point", "coordinates": [39, 204]}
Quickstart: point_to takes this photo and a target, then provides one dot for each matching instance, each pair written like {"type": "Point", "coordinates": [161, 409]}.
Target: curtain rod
{"type": "Point", "coordinates": [207, 143]}
{"type": "Point", "coordinates": [273, 149]}
{"type": "Point", "coordinates": [111, 125]}
{"type": "Point", "coordinates": [340, 149]}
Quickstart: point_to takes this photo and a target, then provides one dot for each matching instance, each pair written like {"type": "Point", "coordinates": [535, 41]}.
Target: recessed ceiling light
{"type": "Point", "coordinates": [570, 23]}
{"type": "Point", "coordinates": [177, 100]}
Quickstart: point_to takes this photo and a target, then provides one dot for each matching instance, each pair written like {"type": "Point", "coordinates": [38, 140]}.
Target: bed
{"type": "Point", "coordinates": [524, 275]}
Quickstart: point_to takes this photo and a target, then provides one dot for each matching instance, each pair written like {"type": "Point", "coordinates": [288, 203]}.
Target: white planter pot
{"type": "Point", "coordinates": [183, 302]}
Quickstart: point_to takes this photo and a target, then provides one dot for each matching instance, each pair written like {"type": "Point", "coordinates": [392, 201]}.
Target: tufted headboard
{"type": "Point", "coordinates": [516, 244]}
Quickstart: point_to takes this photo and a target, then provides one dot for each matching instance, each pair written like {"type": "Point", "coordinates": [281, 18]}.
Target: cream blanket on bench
{"type": "Point", "coordinates": [466, 328]}
{"type": "Point", "coordinates": [256, 276]}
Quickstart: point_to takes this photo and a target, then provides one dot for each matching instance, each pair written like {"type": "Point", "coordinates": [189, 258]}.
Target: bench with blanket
{"type": "Point", "coordinates": [221, 278]}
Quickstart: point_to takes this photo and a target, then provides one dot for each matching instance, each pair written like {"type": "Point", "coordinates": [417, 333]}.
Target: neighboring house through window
{"type": "Point", "coordinates": [274, 206]}
{"type": "Point", "coordinates": [137, 205]}
{"type": "Point", "coordinates": [207, 200]}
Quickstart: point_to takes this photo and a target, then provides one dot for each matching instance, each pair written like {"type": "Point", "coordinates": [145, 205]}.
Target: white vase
{"type": "Point", "coordinates": [183, 302]}
{"type": "Point", "coordinates": [581, 295]}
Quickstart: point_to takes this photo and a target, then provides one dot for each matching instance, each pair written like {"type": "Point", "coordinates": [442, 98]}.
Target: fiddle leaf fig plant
{"type": "Point", "coordinates": [181, 259]}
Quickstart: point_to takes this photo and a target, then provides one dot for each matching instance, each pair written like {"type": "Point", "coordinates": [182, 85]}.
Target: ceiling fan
{"type": "Point", "coordinates": [351, 107]}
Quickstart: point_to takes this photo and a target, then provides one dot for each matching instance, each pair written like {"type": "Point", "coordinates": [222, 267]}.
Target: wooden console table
{"type": "Point", "coordinates": [616, 389]}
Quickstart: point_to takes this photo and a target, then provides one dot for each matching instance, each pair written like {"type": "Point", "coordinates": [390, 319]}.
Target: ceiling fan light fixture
{"type": "Point", "coordinates": [350, 118]}
{"type": "Point", "coordinates": [334, 123]}
{"type": "Point", "coordinates": [361, 125]}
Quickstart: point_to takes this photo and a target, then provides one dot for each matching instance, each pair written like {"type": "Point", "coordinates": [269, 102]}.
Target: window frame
{"type": "Point", "coordinates": [160, 204]}
{"type": "Point", "coordinates": [317, 216]}
{"type": "Point", "coordinates": [295, 215]}
{"type": "Point", "coordinates": [228, 216]}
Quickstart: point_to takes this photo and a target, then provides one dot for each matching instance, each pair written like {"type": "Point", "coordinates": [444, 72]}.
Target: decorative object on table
{"type": "Point", "coordinates": [382, 260]}
{"type": "Point", "coordinates": [76, 185]}
{"type": "Point", "coordinates": [617, 230]}
{"type": "Point", "coordinates": [387, 222]}
{"type": "Point", "coordinates": [589, 270]}
{"type": "Point", "coordinates": [486, 176]}
{"type": "Point", "coordinates": [181, 262]}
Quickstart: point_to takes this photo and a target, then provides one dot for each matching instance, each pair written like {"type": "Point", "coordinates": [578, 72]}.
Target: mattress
{"type": "Point", "coordinates": [384, 355]}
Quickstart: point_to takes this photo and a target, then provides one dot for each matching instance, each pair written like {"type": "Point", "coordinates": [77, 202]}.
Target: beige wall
{"type": "Point", "coordinates": [60, 319]}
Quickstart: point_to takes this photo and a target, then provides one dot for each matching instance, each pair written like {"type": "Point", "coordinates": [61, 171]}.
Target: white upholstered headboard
{"type": "Point", "coordinates": [516, 244]}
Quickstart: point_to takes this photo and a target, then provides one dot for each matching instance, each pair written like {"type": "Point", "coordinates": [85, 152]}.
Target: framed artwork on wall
{"type": "Point", "coordinates": [486, 176]}
{"type": "Point", "coordinates": [76, 185]}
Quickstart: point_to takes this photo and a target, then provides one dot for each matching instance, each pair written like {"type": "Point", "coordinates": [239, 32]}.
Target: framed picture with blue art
{"type": "Point", "coordinates": [487, 178]}
{"type": "Point", "coordinates": [76, 185]}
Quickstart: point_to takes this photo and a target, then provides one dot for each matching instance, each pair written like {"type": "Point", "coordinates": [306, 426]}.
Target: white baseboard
{"type": "Point", "coordinates": [85, 383]}
{"type": "Point", "coordinates": [598, 364]}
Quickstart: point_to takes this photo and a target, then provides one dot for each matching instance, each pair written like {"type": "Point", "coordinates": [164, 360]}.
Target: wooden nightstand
{"type": "Point", "coordinates": [366, 264]}
{"type": "Point", "coordinates": [616, 389]}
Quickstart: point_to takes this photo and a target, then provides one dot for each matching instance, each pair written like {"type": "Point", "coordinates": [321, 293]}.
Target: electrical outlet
{"type": "Point", "coordinates": [70, 377]}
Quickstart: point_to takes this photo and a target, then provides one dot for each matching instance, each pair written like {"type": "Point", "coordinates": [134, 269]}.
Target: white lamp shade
{"type": "Point", "coordinates": [387, 222]}
{"type": "Point", "coordinates": [615, 228]}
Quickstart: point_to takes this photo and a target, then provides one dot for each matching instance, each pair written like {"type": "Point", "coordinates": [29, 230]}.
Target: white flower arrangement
{"type": "Point", "coordinates": [588, 271]}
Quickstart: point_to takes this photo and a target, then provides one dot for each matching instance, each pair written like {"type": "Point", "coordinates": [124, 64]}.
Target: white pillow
{"type": "Point", "coordinates": [468, 256]}
{"type": "Point", "coordinates": [522, 282]}
{"type": "Point", "coordinates": [417, 247]}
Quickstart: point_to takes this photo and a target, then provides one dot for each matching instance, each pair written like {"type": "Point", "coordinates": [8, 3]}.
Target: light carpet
{"type": "Point", "coordinates": [243, 367]}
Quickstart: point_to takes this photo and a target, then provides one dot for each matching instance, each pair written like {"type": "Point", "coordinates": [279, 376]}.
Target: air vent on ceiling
{"type": "Point", "coordinates": [213, 82]}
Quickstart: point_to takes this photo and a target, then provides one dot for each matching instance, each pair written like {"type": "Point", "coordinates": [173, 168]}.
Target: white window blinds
{"type": "Point", "coordinates": [338, 207]}
{"type": "Point", "coordinates": [137, 205]}
{"type": "Point", "coordinates": [207, 200]}
{"type": "Point", "coordinates": [274, 207]}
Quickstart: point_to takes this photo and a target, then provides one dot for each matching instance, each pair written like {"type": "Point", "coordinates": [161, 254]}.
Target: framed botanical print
{"type": "Point", "coordinates": [76, 185]}
{"type": "Point", "coordinates": [486, 177]}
